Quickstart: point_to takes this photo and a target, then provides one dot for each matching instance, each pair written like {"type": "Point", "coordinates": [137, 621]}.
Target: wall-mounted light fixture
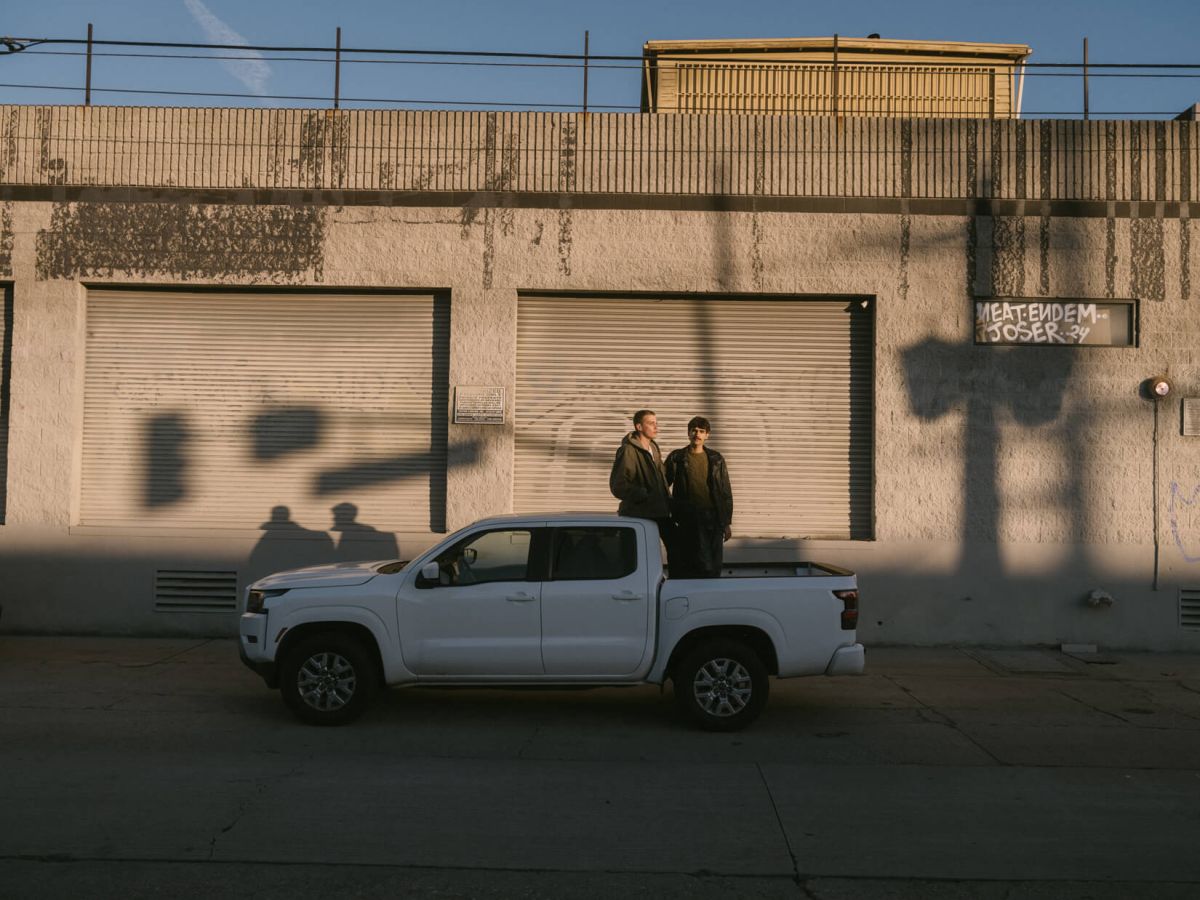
{"type": "Point", "coordinates": [1157, 388]}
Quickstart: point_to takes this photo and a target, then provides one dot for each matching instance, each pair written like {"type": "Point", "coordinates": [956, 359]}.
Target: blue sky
{"type": "Point", "coordinates": [1152, 31]}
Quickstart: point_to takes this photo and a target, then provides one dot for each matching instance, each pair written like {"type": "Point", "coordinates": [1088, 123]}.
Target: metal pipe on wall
{"type": "Point", "coordinates": [1085, 79]}
{"type": "Point", "coordinates": [337, 70]}
{"type": "Point", "coordinates": [87, 89]}
{"type": "Point", "coordinates": [835, 74]}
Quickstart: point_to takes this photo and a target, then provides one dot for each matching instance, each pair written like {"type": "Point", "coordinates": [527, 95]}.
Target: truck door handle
{"type": "Point", "coordinates": [627, 596]}
{"type": "Point", "coordinates": [520, 598]}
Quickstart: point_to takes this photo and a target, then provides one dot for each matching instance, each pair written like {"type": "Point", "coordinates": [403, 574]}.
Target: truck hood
{"type": "Point", "coordinates": [333, 575]}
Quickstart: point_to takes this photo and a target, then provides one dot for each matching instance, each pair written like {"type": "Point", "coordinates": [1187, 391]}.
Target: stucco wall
{"type": "Point", "coordinates": [1009, 481]}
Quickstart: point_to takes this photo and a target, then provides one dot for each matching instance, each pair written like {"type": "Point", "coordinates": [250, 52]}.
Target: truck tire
{"type": "Point", "coordinates": [327, 679]}
{"type": "Point", "coordinates": [721, 685]}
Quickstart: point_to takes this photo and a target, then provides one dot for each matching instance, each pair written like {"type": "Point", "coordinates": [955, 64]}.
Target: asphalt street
{"type": "Point", "coordinates": [163, 768]}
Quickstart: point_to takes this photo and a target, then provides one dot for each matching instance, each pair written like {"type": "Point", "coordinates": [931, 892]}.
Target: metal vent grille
{"type": "Point", "coordinates": [191, 591]}
{"type": "Point", "coordinates": [1189, 608]}
{"type": "Point", "coordinates": [1191, 416]}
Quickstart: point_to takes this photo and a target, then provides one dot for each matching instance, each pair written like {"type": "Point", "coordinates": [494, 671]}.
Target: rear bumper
{"type": "Point", "coordinates": [850, 660]}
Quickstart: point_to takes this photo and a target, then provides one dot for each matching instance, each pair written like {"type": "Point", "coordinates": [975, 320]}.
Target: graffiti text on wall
{"type": "Point", "coordinates": [1179, 505]}
{"type": "Point", "coordinates": [1053, 322]}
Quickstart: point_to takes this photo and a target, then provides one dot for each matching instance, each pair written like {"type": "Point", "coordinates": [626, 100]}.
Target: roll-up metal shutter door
{"type": "Point", "coordinates": [216, 409]}
{"type": "Point", "coordinates": [787, 384]}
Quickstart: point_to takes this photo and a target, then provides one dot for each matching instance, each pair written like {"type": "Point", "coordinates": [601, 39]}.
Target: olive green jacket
{"type": "Point", "coordinates": [638, 480]}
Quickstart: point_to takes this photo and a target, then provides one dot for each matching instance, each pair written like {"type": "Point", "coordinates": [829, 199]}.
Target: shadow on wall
{"type": "Point", "coordinates": [1006, 397]}
{"type": "Point", "coordinates": [279, 432]}
{"type": "Point", "coordinates": [287, 544]}
{"type": "Point", "coordinates": [282, 433]}
{"type": "Point", "coordinates": [272, 436]}
{"type": "Point", "coordinates": [166, 467]}
{"type": "Point", "coordinates": [91, 594]}
{"type": "Point", "coordinates": [6, 330]}
{"type": "Point", "coordinates": [986, 384]}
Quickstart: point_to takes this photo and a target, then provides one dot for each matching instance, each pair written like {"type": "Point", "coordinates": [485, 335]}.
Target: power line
{"type": "Point", "coordinates": [316, 59]}
{"type": "Point", "coordinates": [527, 65]}
{"type": "Point", "coordinates": [311, 97]}
{"type": "Point", "coordinates": [517, 105]}
{"type": "Point", "coordinates": [496, 54]}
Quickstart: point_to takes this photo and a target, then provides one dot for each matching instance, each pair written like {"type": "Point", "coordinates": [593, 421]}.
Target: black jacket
{"type": "Point", "coordinates": [718, 484]}
{"type": "Point", "coordinates": [637, 480]}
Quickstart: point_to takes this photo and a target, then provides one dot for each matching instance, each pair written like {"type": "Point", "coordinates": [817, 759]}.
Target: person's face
{"type": "Point", "coordinates": [648, 427]}
{"type": "Point", "coordinates": [697, 436]}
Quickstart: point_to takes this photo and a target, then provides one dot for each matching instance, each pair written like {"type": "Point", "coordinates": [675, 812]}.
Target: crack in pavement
{"type": "Point", "coordinates": [923, 707]}
{"type": "Point", "coordinates": [779, 821]}
{"type": "Point", "coordinates": [261, 783]}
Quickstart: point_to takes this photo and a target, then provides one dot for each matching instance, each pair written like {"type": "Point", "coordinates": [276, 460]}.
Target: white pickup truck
{"type": "Point", "coordinates": [564, 599]}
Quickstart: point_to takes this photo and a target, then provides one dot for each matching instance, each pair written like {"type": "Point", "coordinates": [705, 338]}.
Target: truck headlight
{"type": "Point", "coordinates": [256, 598]}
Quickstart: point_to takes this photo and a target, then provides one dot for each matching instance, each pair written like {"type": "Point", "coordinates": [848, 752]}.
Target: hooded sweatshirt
{"type": "Point", "coordinates": [638, 480]}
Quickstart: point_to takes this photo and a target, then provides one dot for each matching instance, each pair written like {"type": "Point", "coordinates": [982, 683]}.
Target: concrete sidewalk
{"type": "Point", "coordinates": [941, 773]}
{"type": "Point", "coordinates": [961, 706]}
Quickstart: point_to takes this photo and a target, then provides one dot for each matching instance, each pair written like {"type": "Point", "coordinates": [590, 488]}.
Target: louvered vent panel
{"type": "Point", "coordinates": [1189, 608]}
{"type": "Point", "coordinates": [192, 591]}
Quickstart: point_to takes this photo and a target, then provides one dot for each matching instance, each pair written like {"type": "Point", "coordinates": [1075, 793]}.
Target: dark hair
{"type": "Point", "coordinates": [641, 414]}
{"type": "Point", "coordinates": [699, 422]}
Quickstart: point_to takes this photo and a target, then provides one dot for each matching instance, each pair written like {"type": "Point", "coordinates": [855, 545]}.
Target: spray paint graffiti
{"type": "Point", "coordinates": [1178, 500]}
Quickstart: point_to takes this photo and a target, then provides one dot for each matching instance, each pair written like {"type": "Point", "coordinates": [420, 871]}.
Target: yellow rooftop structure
{"type": "Point", "coordinates": [838, 76]}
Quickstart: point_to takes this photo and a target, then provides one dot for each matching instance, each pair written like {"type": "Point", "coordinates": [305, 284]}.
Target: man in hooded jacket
{"type": "Point", "coordinates": [638, 479]}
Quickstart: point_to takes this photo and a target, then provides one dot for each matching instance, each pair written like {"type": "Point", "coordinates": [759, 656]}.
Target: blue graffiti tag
{"type": "Point", "coordinates": [1173, 512]}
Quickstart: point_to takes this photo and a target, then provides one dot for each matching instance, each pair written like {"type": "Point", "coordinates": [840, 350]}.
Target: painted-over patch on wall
{"type": "Point", "coordinates": [6, 240]}
{"type": "Point", "coordinates": [274, 244]}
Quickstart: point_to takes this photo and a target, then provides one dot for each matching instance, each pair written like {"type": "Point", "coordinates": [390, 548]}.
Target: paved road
{"type": "Point", "coordinates": [138, 767]}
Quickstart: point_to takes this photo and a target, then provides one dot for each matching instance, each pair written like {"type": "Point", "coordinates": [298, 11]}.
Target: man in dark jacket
{"type": "Point", "coordinates": [637, 477]}
{"type": "Point", "coordinates": [701, 505]}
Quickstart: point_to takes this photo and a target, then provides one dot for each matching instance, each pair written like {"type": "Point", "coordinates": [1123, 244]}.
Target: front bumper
{"type": "Point", "coordinates": [850, 660]}
{"type": "Point", "coordinates": [252, 636]}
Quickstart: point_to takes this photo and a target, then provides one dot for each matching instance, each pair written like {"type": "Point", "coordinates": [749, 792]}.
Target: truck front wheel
{"type": "Point", "coordinates": [721, 685]}
{"type": "Point", "coordinates": [326, 679]}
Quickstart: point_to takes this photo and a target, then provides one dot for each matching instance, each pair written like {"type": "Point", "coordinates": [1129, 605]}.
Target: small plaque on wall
{"type": "Point", "coordinates": [1014, 320]}
{"type": "Point", "coordinates": [1191, 416]}
{"type": "Point", "coordinates": [478, 405]}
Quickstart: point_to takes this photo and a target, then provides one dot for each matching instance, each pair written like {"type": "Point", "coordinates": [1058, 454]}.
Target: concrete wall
{"type": "Point", "coordinates": [1010, 482]}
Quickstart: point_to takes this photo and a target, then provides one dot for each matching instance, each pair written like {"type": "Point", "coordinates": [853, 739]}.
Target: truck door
{"type": "Point", "coordinates": [595, 603]}
{"type": "Point", "coordinates": [482, 616]}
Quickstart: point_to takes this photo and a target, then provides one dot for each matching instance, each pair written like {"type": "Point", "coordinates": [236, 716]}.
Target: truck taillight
{"type": "Point", "coordinates": [849, 609]}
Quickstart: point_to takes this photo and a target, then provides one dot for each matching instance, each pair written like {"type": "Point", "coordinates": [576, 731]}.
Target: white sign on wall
{"type": "Point", "coordinates": [478, 405]}
{"type": "Point", "coordinates": [1078, 322]}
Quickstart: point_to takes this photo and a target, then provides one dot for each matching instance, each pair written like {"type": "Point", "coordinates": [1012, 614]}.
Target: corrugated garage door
{"type": "Point", "coordinates": [787, 384]}
{"type": "Point", "coordinates": [216, 409]}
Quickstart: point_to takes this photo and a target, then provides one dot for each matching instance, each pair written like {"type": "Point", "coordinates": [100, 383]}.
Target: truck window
{"type": "Point", "coordinates": [594, 553]}
{"type": "Point", "coordinates": [487, 557]}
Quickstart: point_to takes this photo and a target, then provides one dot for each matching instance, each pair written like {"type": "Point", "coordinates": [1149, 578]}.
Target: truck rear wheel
{"type": "Point", "coordinates": [721, 685]}
{"type": "Point", "coordinates": [327, 679]}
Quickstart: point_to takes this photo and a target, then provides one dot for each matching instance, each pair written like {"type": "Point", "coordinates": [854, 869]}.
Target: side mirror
{"type": "Point", "coordinates": [431, 571]}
